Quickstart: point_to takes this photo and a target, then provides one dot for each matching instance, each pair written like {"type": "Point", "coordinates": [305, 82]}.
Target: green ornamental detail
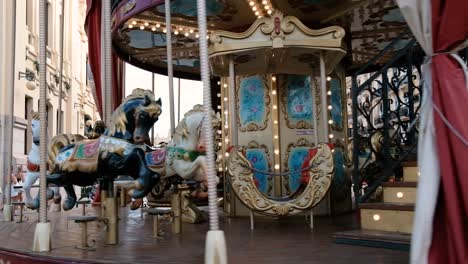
{"type": "Point", "coordinates": [183, 154]}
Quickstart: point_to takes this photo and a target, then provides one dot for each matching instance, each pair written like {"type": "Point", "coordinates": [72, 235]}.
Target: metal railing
{"type": "Point", "coordinates": [379, 152]}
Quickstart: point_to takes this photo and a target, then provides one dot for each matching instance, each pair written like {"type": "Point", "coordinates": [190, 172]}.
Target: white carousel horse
{"type": "Point", "coordinates": [33, 162]}
{"type": "Point", "coordinates": [185, 154]}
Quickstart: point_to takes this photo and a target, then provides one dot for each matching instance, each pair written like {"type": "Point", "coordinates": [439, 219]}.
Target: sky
{"type": "Point", "coordinates": [191, 94]}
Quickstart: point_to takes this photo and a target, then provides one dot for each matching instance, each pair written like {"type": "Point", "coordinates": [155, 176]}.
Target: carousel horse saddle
{"type": "Point", "coordinates": [156, 159]}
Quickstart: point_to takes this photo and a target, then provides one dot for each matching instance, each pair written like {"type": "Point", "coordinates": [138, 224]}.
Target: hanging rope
{"type": "Point", "coordinates": [42, 109]}
{"type": "Point", "coordinates": [170, 73]}
{"type": "Point", "coordinates": [207, 130]}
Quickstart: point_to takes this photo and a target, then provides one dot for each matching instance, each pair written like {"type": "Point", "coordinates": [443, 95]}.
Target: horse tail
{"type": "Point", "coordinates": [57, 143]}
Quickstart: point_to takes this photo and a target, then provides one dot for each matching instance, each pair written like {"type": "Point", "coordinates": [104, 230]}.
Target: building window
{"type": "Point", "coordinates": [29, 16]}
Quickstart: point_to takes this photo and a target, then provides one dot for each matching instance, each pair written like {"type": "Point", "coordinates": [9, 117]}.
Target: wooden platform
{"type": "Point", "coordinates": [273, 241]}
{"type": "Point", "coordinates": [374, 238]}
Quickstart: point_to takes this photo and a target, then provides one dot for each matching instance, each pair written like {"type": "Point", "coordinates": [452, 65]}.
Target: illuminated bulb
{"type": "Point", "coordinates": [220, 169]}
{"type": "Point", "coordinates": [226, 140]}
{"type": "Point", "coordinates": [254, 8]}
{"type": "Point", "coordinates": [276, 122]}
{"type": "Point", "coordinates": [277, 166]}
{"type": "Point", "coordinates": [276, 136]}
{"type": "Point", "coordinates": [180, 29]}
{"type": "Point", "coordinates": [264, 2]}
{"type": "Point", "coordinates": [146, 24]}
{"type": "Point", "coordinates": [257, 13]}
{"type": "Point", "coordinates": [191, 31]}
{"type": "Point", "coordinates": [330, 136]}
{"type": "Point", "coordinates": [186, 34]}
{"type": "Point", "coordinates": [130, 26]}
{"type": "Point", "coordinates": [376, 217]}
{"type": "Point", "coordinates": [134, 22]}
{"type": "Point", "coordinates": [333, 150]}
{"type": "Point", "coordinates": [142, 27]}
{"type": "Point", "coordinates": [259, 16]}
{"type": "Point", "coordinates": [220, 144]}
{"type": "Point", "coordinates": [164, 30]}
{"type": "Point", "coordinates": [274, 107]}
{"type": "Point", "coordinates": [267, 7]}
{"type": "Point", "coordinates": [251, 3]}
{"type": "Point", "coordinates": [330, 107]}
{"type": "Point", "coordinates": [276, 151]}
{"type": "Point", "coordinates": [399, 195]}
{"type": "Point", "coordinates": [197, 36]}
{"type": "Point", "coordinates": [273, 92]}
{"type": "Point", "coordinates": [219, 82]}
{"type": "Point", "coordinates": [328, 78]}
{"type": "Point", "coordinates": [158, 25]}
{"type": "Point", "coordinates": [219, 107]}
{"type": "Point", "coordinates": [220, 132]}
{"type": "Point", "coordinates": [225, 99]}
{"type": "Point", "coordinates": [419, 174]}
{"type": "Point", "coordinates": [273, 78]}
{"type": "Point", "coordinates": [225, 85]}
{"type": "Point", "coordinates": [330, 122]}
{"type": "Point", "coordinates": [219, 95]}
{"type": "Point", "coordinates": [226, 112]}
{"type": "Point", "coordinates": [153, 28]}
{"type": "Point", "coordinates": [329, 92]}
{"type": "Point", "coordinates": [226, 126]}
{"type": "Point", "coordinates": [269, 12]}
{"type": "Point", "coordinates": [226, 154]}
{"type": "Point", "coordinates": [176, 32]}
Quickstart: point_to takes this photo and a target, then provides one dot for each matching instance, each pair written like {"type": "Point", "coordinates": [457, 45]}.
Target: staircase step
{"type": "Point", "coordinates": [399, 192]}
{"type": "Point", "coordinates": [372, 238]}
{"type": "Point", "coordinates": [391, 217]}
{"type": "Point", "coordinates": [410, 173]}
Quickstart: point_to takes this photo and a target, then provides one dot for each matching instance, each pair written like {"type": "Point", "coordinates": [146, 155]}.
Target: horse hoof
{"type": "Point", "coordinates": [50, 194]}
{"type": "Point", "coordinates": [68, 204]}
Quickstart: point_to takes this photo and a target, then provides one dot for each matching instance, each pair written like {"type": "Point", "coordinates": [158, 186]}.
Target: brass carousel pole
{"type": "Point", "coordinates": [42, 238]}
{"type": "Point", "coordinates": [175, 197]}
{"type": "Point", "coordinates": [215, 245]}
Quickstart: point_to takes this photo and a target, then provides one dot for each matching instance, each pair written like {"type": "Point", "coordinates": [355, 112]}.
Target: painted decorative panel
{"type": "Point", "coordinates": [337, 105]}
{"type": "Point", "coordinates": [252, 103]}
{"type": "Point", "coordinates": [259, 158]}
{"type": "Point", "coordinates": [296, 98]}
{"type": "Point", "coordinates": [295, 157]}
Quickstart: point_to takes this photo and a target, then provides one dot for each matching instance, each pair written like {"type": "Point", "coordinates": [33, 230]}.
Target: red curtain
{"type": "Point", "coordinates": [450, 95]}
{"type": "Point", "coordinates": [93, 29]}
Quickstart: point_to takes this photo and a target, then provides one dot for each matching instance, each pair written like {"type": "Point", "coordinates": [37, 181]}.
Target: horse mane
{"type": "Point", "coordinates": [118, 121]}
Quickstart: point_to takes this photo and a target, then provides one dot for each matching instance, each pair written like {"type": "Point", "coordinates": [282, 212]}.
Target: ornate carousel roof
{"type": "Point", "coordinates": [139, 29]}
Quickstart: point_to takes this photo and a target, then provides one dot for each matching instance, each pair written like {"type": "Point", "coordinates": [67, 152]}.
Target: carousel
{"type": "Point", "coordinates": [267, 170]}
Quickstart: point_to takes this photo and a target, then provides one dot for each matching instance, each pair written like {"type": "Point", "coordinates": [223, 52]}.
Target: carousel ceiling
{"type": "Point", "coordinates": [139, 30]}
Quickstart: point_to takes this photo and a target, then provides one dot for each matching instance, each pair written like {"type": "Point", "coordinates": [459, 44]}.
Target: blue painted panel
{"type": "Point", "coordinates": [259, 161]}
{"type": "Point", "coordinates": [336, 102]}
{"type": "Point", "coordinates": [252, 108]}
{"type": "Point", "coordinates": [189, 8]}
{"type": "Point", "coordinates": [296, 159]}
{"type": "Point", "coordinates": [195, 63]}
{"type": "Point", "coordinates": [298, 98]}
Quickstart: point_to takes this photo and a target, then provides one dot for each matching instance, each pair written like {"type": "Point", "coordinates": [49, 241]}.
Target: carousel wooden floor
{"type": "Point", "coordinates": [273, 241]}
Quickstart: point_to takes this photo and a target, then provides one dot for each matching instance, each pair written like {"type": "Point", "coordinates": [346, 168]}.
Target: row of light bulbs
{"type": "Point", "coordinates": [158, 26]}
{"type": "Point", "coordinates": [261, 9]}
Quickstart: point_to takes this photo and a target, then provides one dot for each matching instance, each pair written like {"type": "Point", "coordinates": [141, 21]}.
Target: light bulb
{"type": "Point", "coordinates": [273, 78]}
{"type": "Point", "coordinates": [176, 32]}
{"type": "Point", "coordinates": [134, 22]}
{"type": "Point", "coordinates": [276, 122]}
{"type": "Point", "coordinates": [130, 26]}
{"type": "Point", "coordinates": [225, 99]}
{"type": "Point", "coordinates": [186, 34]}
{"type": "Point", "coordinates": [275, 107]}
{"type": "Point", "coordinates": [226, 154]}
{"type": "Point", "coordinates": [376, 217]}
{"type": "Point", "coordinates": [330, 136]}
{"type": "Point", "coordinates": [273, 92]}
{"type": "Point", "coordinates": [142, 27]}
{"type": "Point", "coordinates": [330, 107]}
{"type": "Point", "coordinates": [220, 169]}
{"type": "Point", "coordinates": [276, 136]}
{"type": "Point", "coordinates": [267, 7]}
{"type": "Point", "coordinates": [254, 8]}
{"type": "Point", "coordinates": [399, 195]}
{"type": "Point", "coordinates": [219, 107]}
{"type": "Point", "coordinates": [329, 92]}
{"type": "Point", "coordinates": [330, 121]}
{"type": "Point", "coordinates": [328, 78]}
{"type": "Point", "coordinates": [277, 166]}
{"type": "Point", "coordinates": [146, 24]}
{"type": "Point", "coordinates": [276, 151]}
{"type": "Point", "coordinates": [164, 30]}
{"type": "Point", "coordinates": [158, 25]}
{"type": "Point", "coordinates": [225, 85]}
{"type": "Point", "coordinates": [191, 31]}
{"type": "Point", "coordinates": [218, 94]}
{"type": "Point", "coordinates": [269, 12]}
{"type": "Point", "coordinates": [264, 2]}
{"type": "Point", "coordinates": [251, 3]}
{"type": "Point", "coordinates": [257, 13]}
{"type": "Point", "coordinates": [153, 28]}
{"type": "Point", "coordinates": [197, 36]}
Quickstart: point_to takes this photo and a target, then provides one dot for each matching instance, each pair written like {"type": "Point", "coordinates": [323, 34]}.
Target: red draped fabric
{"type": "Point", "coordinates": [93, 29]}
{"type": "Point", "coordinates": [450, 95]}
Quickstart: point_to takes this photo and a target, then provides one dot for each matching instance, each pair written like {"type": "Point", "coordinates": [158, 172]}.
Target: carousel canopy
{"type": "Point", "coordinates": [277, 44]}
{"type": "Point", "coordinates": [139, 28]}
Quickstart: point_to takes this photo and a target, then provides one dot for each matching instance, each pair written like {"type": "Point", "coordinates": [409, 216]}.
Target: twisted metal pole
{"type": "Point", "coordinates": [60, 115]}
{"type": "Point", "coordinates": [170, 74]}
{"type": "Point", "coordinates": [42, 109]}
{"type": "Point", "coordinates": [107, 59]}
{"type": "Point", "coordinates": [207, 130]}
